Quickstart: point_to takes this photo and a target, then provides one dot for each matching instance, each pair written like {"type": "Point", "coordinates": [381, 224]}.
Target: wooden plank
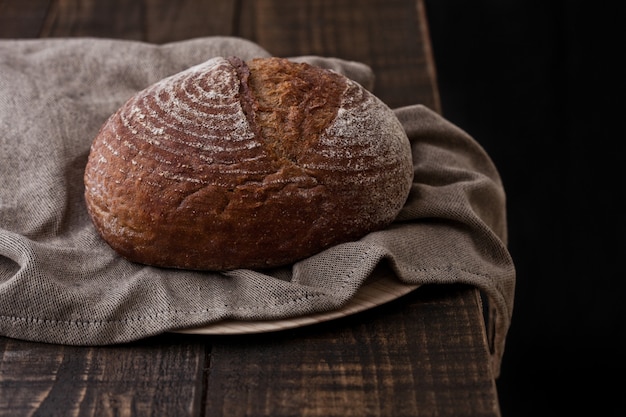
{"type": "Point", "coordinates": [114, 18]}
{"type": "Point", "coordinates": [349, 29]}
{"type": "Point", "coordinates": [388, 35]}
{"type": "Point", "coordinates": [158, 376]}
{"type": "Point", "coordinates": [22, 19]}
{"type": "Point", "coordinates": [168, 21]}
{"type": "Point", "coordinates": [424, 354]}
{"type": "Point", "coordinates": [416, 356]}
{"type": "Point", "coordinates": [155, 21]}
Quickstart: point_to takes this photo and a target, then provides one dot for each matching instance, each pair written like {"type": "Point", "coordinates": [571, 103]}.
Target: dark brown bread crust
{"type": "Point", "coordinates": [234, 165]}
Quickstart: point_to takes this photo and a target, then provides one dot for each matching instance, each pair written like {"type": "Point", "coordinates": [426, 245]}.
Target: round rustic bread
{"type": "Point", "coordinates": [246, 165]}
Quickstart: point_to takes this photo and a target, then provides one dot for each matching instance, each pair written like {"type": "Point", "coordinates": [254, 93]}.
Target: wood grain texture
{"type": "Point", "coordinates": [22, 19]}
{"type": "Point", "coordinates": [412, 357]}
{"type": "Point", "coordinates": [425, 354]}
{"type": "Point", "coordinates": [416, 356]}
{"type": "Point", "coordinates": [386, 35]}
{"type": "Point", "coordinates": [401, 58]}
{"type": "Point", "coordinates": [169, 21]}
{"type": "Point", "coordinates": [68, 18]}
{"type": "Point", "coordinates": [151, 377]}
{"type": "Point", "coordinates": [156, 21]}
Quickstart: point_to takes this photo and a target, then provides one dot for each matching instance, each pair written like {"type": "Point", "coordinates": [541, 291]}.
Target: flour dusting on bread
{"type": "Point", "coordinates": [257, 164]}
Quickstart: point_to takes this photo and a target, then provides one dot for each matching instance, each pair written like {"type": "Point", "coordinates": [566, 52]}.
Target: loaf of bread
{"type": "Point", "coordinates": [257, 164]}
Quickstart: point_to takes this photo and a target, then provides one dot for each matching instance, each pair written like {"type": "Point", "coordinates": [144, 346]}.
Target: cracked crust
{"type": "Point", "coordinates": [245, 165]}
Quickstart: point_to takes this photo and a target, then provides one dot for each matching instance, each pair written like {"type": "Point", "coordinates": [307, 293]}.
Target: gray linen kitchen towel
{"type": "Point", "coordinates": [60, 283]}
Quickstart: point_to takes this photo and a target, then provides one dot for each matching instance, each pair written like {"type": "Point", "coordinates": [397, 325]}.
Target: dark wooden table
{"type": "Point", "coordinates": [424, 354]}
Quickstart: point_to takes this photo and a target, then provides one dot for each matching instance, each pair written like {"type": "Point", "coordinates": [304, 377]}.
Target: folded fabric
{"type": "Point", "coordinates": [61, 283]}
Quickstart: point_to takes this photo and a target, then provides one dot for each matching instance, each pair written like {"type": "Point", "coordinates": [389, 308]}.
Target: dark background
{"type": "Point", "coordinates": [541, 85]}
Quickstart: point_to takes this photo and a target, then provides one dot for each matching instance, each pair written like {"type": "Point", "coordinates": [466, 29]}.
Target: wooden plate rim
{"type": "Point", "coordinates": [372, 294]}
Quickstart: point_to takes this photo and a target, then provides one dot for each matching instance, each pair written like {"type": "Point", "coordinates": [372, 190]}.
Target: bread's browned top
{"type": "Point", "coordinates": [230, 165]}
